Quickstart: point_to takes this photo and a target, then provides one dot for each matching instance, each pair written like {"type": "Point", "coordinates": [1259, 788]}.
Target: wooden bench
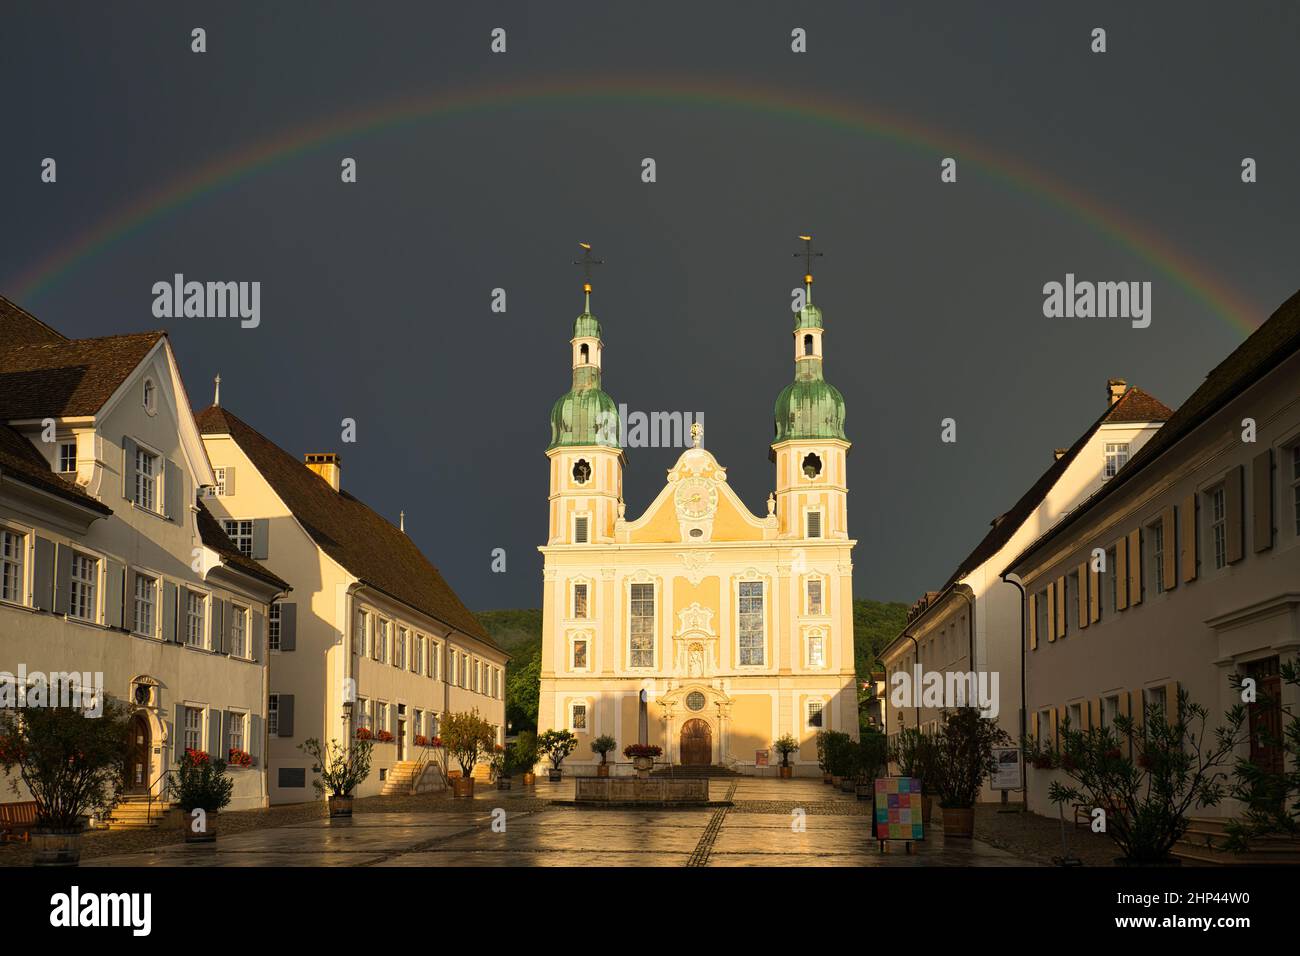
{"type": "Point", "coordinates": [16, 821]}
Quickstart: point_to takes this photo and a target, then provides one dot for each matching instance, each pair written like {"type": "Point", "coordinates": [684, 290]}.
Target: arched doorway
{"type": "Point", "coordinates": [137, 761]}
{"type": "Point", "coordinates": [697, 743]}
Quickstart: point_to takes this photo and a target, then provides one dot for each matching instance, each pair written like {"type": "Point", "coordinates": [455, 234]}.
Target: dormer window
{"type": "Point", "coordinates": [150, 396]}
{"type": "Point", "coordinates": [1116, 456]}
{"type": "Point", "coordinates": [67, 457]}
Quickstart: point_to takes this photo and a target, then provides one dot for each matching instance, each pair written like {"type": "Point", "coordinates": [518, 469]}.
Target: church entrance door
{"type": "Point", "coordinates": [697, 743]}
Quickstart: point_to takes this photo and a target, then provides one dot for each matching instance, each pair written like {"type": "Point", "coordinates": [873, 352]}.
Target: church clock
{"type": "Point", "coordinates": [697, 502]}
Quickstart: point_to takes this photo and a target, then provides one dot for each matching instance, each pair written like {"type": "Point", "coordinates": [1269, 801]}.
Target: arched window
{"type": "Point", "coordinates": [584, 352]}
{"type": "Point", "coordinates": [807, 345]}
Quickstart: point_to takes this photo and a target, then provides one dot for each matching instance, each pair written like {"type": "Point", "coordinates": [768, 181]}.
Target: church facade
{"type": "Point", "coordinates": [738, 627]}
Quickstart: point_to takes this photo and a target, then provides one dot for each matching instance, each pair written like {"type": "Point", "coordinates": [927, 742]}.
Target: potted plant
{"type": "Point", "coordinates": [499, 765]}
{"type": "Point", "coordinates": [340, 771]}
{"type": "Point", "coordinates": [642, 757]}
{"type": "Point", "coordinates": [555, 745]}
{"type": "Point", "coordinates": [201, 789]}
{"type": "Point", "coordinates": [913, 755]}
{"type": "Point", "coordinates": [834, 747]}
{"type": "Point", "coordinates": [466, 736]}
{"type": "Point", "coordinates": [963, 753]}
{"type": "Point", "coordinates": [526, 757]}
{"type": "Point", "coordinates": [384, 737]}
{"type": "Point", "coordinates": [873, 748]}
{"type": "Point", "coordinates": [72, 764]}
{"type": "Point", "coordinates": [850, 765]}
{"type": "Point", "coordinates": [785, 746]}
{"type": "Point", "coordinates": [603, 745]}
{"type": "Point", "coordinates": [823, 760]}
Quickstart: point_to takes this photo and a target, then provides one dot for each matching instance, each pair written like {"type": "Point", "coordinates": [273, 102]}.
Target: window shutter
{"type": "Point", "coordinates": [1060, 607]}
{"type": "Point", "coordinates": [227, 722]}
{"type": "Point", "coordinates": [285, 728]}
{"type": "Point", "coordinates": [169, 612]}
{"type": "Point", "coordinates": [1121, 573]}
{"type": "Point", "coordinates": [1032, 624]}
{"type": "Point", "coordinates": [1187, 538]}
{"type": "Point", "coordinates": [1135, 567]}
{"type": "Point", "coordinates": [1085, 715]}
{"type": "Point", "coordinates": [1171, 703]}
{"type": "Point", "coordinates": [1261, 493]}
{"type": "Point", "coordinates": [1094, 596]}
{"type": "Point", "coordinates": [1083, 595]}
{"type": "Point", "coordinates": [178, 744]}
{"type": "Point", "coordinates": [230, 480]}
{"type": "Point", "coordinates": [261, 538]}
{"type": "Point", "coordinates": [62, 578]}
{"type": "Point", "coordinates": [43, 574]}
{"type": "Point", "coordinates": [1098, 712]}
{"type": "Point", "coordinates": [1033, 725]}
{"type": "Point", "coordinates": [1169, 550]}
{"type": "Point", "coordinates": [1139, 711]}
{"type": "Point", "coordinates": [1051, 612]}
{"type": "Point", "coordinates": [220, 626]}
{"type": "Point", "coordinates": [814, 524]}
{"type": "Point", "coordinates": [288, 626]}
{"type": "Point", "coordinates": [1055, 725]}
{"type": "Point", "coordinates": [113, 587]}
{"type": "Point", "coordinates": [256, 628]}
{"type": "Point", "coordinates": [214, 734]}
{"type": "Point", "coordinates": [174, 491]}
{"type": "Point", "coordinates": [128, 469]}
{"type": "Point", "coordinates": [580, 530]}
{"type": "Point", "coordinates": [1232, 500]}
{"type": "Point", "coordinates": [254, 746]}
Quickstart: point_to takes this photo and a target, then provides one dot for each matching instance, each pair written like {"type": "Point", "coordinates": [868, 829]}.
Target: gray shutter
{"type": "Point", "coordinates": [286, 716]}
{"type": "Point", "coordinates": [128, 469]}
{"type": "Point", "coordinates": [288, 627]}
{"type": "Point", "coordinates": [113, 588]}
{"type": "Point", "coordinates": [230, 480]}
{"type": "Point", "coordinates": [43, 575]}
{"type": "Point", "coordinates": [256, 629]}
{"type": "Point", "coordinates": [255, 738]}
{"type": "Point", "coordinates": [174, 491]}
{"type": "Point", "coordinates": [1235, 507]}
{"type": "Point", "coordinates": [62, 578]}
{"type": "Point", "coordinates": [227, 721]}
{"type": "Point", "coordinates": [214, 734]}
{"type": "Point", "coordinates": [261, 538]}
{"type": "Point", "coordinates": [169, 632]}
{"type": "Point", "coordinates": [178, 739]}
{"type": "Point", "coordinates": [1261, 492]}
{"type": "Point", "coordinates": [220, 613]}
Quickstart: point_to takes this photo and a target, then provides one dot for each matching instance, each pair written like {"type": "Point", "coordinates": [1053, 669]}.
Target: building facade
{"type": "Point", "coordinates": [372, 636]}
{"type": "Point", "coordinates": [1181, 571]}
{"type": "Point", "coordinates": [112, 566]}
{"type": "Point", "coordinates": [738, 627]}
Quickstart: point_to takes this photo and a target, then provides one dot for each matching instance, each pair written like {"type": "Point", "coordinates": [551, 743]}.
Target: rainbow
{"type": "Point", "coordinates": [230, 169]}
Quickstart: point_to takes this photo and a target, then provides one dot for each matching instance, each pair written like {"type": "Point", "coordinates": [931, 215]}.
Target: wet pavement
{"type": "Point", "coordinates": [751, 822]}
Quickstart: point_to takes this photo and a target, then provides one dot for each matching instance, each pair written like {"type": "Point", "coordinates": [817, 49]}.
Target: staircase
{"type": "Point", "coordinates": [694, 772]}
{"type": "Point", "coordinates": [134, 813]}
{"type": "Point", "coordinates": [1204, 839]}
{"type": "Point", "coordinates": [401, 778]}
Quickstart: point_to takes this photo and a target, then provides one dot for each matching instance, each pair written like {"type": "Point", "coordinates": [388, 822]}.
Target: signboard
{"type": "Point", "coordinates": [1007, 774]}
{"type": "Point", "coordinates": [761, 757]}
{"type": "Point", "coordinates": [898, 809]}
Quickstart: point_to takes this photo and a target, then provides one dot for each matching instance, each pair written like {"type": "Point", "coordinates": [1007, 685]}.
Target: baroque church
{"type": "Point", "coordinates": [738, 627]}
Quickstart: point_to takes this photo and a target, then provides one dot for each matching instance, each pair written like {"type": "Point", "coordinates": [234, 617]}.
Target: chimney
{"type": "Point", "coordinates": [1115, 390]}
{"type": "Point", "coordinates": [326, 464]}
{"type": "Point", "coordinates": [1058, 453]}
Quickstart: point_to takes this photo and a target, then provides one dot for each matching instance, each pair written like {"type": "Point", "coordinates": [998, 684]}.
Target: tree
{"type": "Point", "coordinates": [963, 756]}
{"type": "Point", "coordinates": [603, 745]}
{"type": "Point", "coordinates": [72, 765]}
{"type": "Point", "coordinates": [467, 736]}
{"type": "Point", "coordinates": [555, 745]}
{"type": "Point", "coordinates": [785, 746]}
{"type": "Point", "coordinates": [1271, 796]}
{"type": "Point", "coordinates": [1145, 779]}
{"type": "Point", "coordinates": [342, 769]}
{"type": "Point", "coordinates": [201, 782]}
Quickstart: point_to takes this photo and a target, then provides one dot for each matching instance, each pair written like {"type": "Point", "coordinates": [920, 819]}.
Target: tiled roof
{"type": "Point", "coordinates": [214, 536]}
{"type": "Point", "coordinates": [365, 543]}
{"type": "Point", "coordinates": [1134, 405]}
{"type": "Point", "coordinates": [18, 326]}
{"type": "Point", "coordinates": [1267, 347]}
{"type": "Point", "coordinates": [63, 377]}
{"type": "Point", "coordinates": [20, 459]}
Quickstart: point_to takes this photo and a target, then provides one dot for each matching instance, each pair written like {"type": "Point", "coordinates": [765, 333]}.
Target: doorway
{"type": "Point", "coordinates": [138, 752]}
{"type": "Point", "coordinates": [401, 738]}
{"type": "Point", "coordinates": [697, 743]}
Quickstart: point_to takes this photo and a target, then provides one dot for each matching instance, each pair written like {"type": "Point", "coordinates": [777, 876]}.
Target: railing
{"type": "Point", "coordinates": [422, 764]}
{"type": "Point", "coordinates": [166, 772]}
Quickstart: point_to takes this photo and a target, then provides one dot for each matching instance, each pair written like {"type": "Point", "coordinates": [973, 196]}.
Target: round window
{"type": "Point", "coordinates": [695, 700]}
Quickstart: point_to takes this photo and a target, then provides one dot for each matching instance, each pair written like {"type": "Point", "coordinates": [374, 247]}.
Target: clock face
{"type": "Point", "coordinates": [696, 498]}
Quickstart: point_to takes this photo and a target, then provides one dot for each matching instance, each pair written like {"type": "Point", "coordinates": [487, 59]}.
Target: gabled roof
{"type": "Point", "coordinates": [64, 378]}
{"type": "Point", "coordinates": [1267, 347]}
{"type": "Point", "coordinates": [18, 326]}
{"type": "Point", "coordinates": [1134, 405]}
{"type": "Point", "coordinates": [19, 459]}
{"type": "Point", "coordinates": [214, 536]}
{"type": "Point", "coordinates": [366, 544]}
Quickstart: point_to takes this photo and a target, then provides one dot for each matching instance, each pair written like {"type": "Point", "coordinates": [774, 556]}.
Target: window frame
{"type": "Point", "coordinates": [189, 617]}
{"type": "Point", "coordinates": [17, 560]}
{"type": "Point", "coordinates": [585, 641]}
{"type": "Point", "coordinates": [61, 458]}
{"type": "Point", "coordinates": [1112, 450]}
{"type": "Point", "coordinates": [152, 479]}
{"type": "Point", "coordinates": [819, 713]}
{"type": "Point", "coordinates": [740, 597]}
{"type": "Point", "coordinates": [808, 515]}
{"type": "Point", "coordinates": [273, 715]}
{"type": "Point", "coordinates": [632, 618]}
{"type": "Point", "coordinates": [155, 619]}
{"type": "Point", "coordinates": [241, 538]}
{"type": "Point", "coordinates": [574, 707]}
{"type": "Point", "coordinates": [1216, 517]}
{"type": "Point", "coordinates": [818, 635]}
{"type": "Point", "coordinates": [274, 618]}
{"type": "Point", "coordinates": [239, 613]}
{"type": "Point", "coordinates": [820, 582]}
{"type": "Point", "coordinates": [79, 585]}
{"type": "Point", "coordinates": [583, 606]}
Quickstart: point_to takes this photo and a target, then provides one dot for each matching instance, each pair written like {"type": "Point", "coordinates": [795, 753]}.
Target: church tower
{"type": "Point", "coordinates": [810, 450]}
{"type": "Point", "coordinates": [585, 456]}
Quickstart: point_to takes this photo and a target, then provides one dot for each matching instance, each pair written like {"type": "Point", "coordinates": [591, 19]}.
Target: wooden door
{"type": "Point", "coordinates": [401, 738]}
{"type": "Point", "coordinates": [137, 761]}
{"type": "Point", "coordinates": [697, 743]}
{"type": "Point", "coordinates": [1265, 715]}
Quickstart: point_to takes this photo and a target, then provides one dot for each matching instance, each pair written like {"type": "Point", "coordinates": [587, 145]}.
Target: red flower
{"type": "Point", "coordinates": [632, 751]}
{"type": "Point", "coordinates": [435, 742]}
{"type": "Point", "coordinates": [383, 736]}
{"type": "Point", "coordinates": [421, 740]}
{"type": "Point", "coordinates": [363, 733]}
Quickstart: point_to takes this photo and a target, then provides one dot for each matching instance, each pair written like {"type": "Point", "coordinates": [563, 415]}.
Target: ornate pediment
{"type": "Point", "coordinates": [696, 618]}
{"type": "Point", "coordinates": [695, 562]}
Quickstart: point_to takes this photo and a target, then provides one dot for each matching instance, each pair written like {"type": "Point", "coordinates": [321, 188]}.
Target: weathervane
{"type": "Point", "coordinates": [587, 261]}
{"type": "Point", "coordinates": [808, 256]}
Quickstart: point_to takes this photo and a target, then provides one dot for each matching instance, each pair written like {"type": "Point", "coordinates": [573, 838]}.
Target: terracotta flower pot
{"type": "Point", "coordinates": [958, 822]}
{"type": "Point", "coordinates": [340, 807]}
{"type": "Point", "coordinates": [462, 787]}
{"type": "Point", "coordinates": [786, 772]}
{"type": "Point", "coordinates": [56, 847]}
{"type": "Point", "coordinates": [554, 775]}
{"type": "Point", "coordinates": [530, 779]}
{"type": "Point", "coordinates": [209, 832]}
{"type": "Point", "coordinates": [602, 770]}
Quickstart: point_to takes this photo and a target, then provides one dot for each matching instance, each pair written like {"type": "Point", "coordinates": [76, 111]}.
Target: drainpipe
{"type": "Point", "coordinates": [1024, 639]}
{"type": "Point", "coordinates": [969, 595]}
{"type": "Point", "coordinates": [915, 696]}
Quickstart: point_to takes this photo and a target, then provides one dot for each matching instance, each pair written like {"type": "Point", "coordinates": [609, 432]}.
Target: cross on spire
{"type": "Point", "coordinates": [808, 257]}
{"type": "Point", "coordinates": [587, 261]}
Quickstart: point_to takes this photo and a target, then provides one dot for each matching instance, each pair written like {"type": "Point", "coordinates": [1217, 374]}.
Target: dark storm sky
{"type": "Point", "coordinates": [375, 298]}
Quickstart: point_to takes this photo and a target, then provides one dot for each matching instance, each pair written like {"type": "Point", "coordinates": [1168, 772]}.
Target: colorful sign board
{"type": "Point", "coordinates": [898, 809]}
{"type": "Point", "coordinates": [761, 757]}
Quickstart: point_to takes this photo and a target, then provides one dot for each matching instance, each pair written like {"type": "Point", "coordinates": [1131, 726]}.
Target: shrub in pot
{"type": "Point", "coordinates": [466, 736]}
{"type": "Point", "coordinates": [72, 763]}
{"type": "Point", "coordinates": [201, 789]}
{"type": "Point", "coordinates": [823, 758]}
{"type": "Point", "coordinates": [603, 745]}
{"type": "Point", "coordinates": [914, 756]}
{"type": "Point", "coordinates": [555, 745]}
{"type": "Point", "coordinates": [340, 770]}
{"type": "Point", "coordinates": [785, 746]}
{"type": "Point", "coordinates": [963, 759]}
{"type": "Point", "coordinates": [835, 747]}
{"type": "Point", "coordinates": [873, 757]}
{"type": "Point", "coordinates": [526, 754]}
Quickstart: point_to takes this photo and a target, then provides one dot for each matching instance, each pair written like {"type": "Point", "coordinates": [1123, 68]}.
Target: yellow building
{"type": "Point", "coordinates": [738, 626]}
